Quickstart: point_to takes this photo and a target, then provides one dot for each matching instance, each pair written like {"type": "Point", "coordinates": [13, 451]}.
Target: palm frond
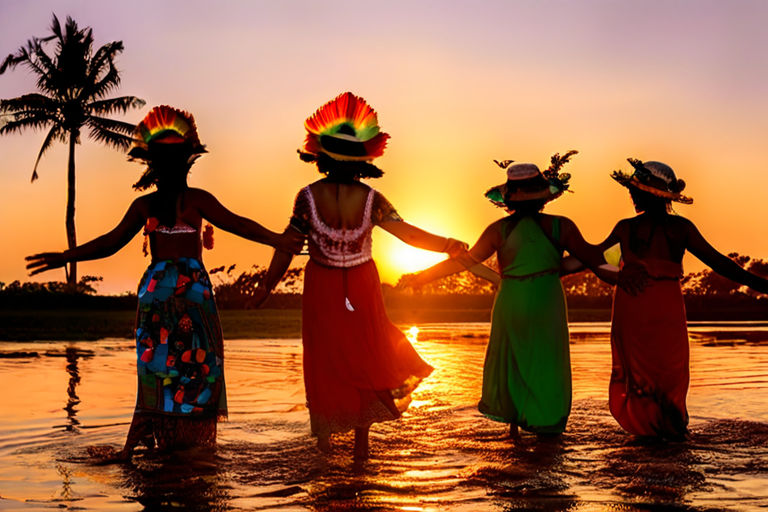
{"type": "Point", "coordinates": [13, 60]}
{"type": "Point", "coordinates": [29, 102]}
{"type": "Point", "coordinates": [104, 56]}
{"type": "Point", "coordinates": [111, 124]}
{"type": "Point", "coordinates": [10, 62]}
{"type": "Point", "coordinates": [17, 125]}
{"type": "Point", "coordinates": [115, 105]}
{"type": "Point", "coordinates": [53, 134]}
{"type": "Point", "coordinates": [108, 82]}
{"type": "Point", "coordinates": [109, 137]}
{"type": "Point", "coordinates": [56, 27]}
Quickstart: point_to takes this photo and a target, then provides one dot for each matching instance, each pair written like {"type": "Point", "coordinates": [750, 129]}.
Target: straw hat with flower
{"type": "Point", "coordinates": [525, 182]}
{"type": "Point", "coordinates": [656, 178]}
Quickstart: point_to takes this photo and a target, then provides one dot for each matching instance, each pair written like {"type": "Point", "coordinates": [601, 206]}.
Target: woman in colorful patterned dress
{"type": "Point", "coordinates": [181, 392]}
{"type": "Point", "coordinates": [527, 371]}
{"type": "Point", "coordinates": [358, 367]}
{"type": "Point", "coordinates": [649, 336]}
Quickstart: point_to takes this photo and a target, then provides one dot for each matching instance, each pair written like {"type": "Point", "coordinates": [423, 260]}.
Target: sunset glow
{"type": "Point", "coordinates": [455, 89]}
{"type": "Point", "coordinates": [407, 259]}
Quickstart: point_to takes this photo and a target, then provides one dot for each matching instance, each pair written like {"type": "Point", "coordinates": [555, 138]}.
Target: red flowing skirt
{"type": "Point", "coordinates": [358, 367]}
{"type": "Point", "coordinates": [650, 375]}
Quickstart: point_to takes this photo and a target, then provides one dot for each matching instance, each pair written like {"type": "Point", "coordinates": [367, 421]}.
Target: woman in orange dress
{"type": "Point", "coordinates": [358, 367]}
{"type": "Point", "coordinates": [179, 348]}
{"type": "Point", "coordinates": [649, 336]}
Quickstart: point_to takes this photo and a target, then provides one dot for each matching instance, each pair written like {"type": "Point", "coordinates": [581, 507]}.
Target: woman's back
{"type": "Point", "coordinates": [340, 205]}
{"type": "Point", "coordinates": [527, 248]}
{"type": "Point", "coordinates": [175, 231]}
{"type": "Point", "coordinates": [658, 242]}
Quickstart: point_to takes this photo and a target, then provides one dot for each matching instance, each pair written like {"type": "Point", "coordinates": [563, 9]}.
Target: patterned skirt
{"type": "Point", "coordinates": [180, 356]}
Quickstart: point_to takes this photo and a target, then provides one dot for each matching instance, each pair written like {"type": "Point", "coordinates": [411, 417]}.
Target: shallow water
{"type": "Point", "coordinates": [61, 398]}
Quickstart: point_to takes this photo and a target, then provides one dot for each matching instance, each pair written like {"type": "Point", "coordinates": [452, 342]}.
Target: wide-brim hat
{"type": "Point", "coordinates": [165, 127]}
{"type": "Point", "coordinates": [656, 178]}
{"type": "Point", "coordinates": [346, 128]}
{"type": "Point", "coordinates": [525, 182]}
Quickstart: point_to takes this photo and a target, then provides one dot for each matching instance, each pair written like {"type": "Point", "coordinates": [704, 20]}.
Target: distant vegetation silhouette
{"type": "Point", "coordinates": [704, 291]}
{"type": "Point", "coordinates": [73, 83]}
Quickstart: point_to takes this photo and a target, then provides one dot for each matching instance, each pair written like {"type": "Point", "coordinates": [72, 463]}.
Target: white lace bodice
{"type": "Point", "coordinates": [335, 247]}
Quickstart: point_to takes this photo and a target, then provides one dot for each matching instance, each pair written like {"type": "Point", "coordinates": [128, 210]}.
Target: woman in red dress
{"type": "Point", "coordinates": [649, 336]}
{"type": "Point", "coordinates": [358, 367]}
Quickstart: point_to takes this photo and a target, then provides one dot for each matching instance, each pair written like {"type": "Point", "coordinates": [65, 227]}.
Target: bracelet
{"type": "Point", "coordinates": [446, 244]}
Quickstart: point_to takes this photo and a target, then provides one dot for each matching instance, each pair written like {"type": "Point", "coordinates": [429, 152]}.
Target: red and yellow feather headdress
{"type": "Point", "coordinates": [165, 125]}
{"type": "Point", "coordinates": [345, 128]}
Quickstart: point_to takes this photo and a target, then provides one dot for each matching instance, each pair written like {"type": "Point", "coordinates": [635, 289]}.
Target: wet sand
{"type": "Point", "coordinates": [442, 455]}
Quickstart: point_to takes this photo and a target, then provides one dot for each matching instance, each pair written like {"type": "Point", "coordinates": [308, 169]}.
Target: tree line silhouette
{"type": "Point", "coordinates": [233, 289]}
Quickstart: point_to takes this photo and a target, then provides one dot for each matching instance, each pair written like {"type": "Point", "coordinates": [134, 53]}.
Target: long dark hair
{"type": "Point", "coordinates": [526, 208]}
{"type": "Point", "coordinates": [167, 169]}
{"type": "Point", "coordinates": [649, 203]}
{"type": "Point", "coordinates": [341, 170]}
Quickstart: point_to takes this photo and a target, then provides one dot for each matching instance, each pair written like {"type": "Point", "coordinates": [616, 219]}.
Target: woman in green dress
{"type": "Point", "coordinates": [527, 373]}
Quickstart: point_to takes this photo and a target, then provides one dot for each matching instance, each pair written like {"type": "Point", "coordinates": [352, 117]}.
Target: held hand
{"type": "Point", "coordinates": [633, 278]}
{"type": "Point", "coordinates": [291, 240]}
{"type": "Point", "coordinates": [455, 247]}
{"type": "Point", "coordinates": [45, 261]}
{"type": "Point", "coordinates": [260, 294]}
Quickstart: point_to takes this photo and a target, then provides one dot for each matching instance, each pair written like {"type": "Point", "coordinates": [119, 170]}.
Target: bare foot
{"type": "Point", "coordinates": [102, 455]}
{"type": "Point", "coordinates": [361, 444]}
{"type": "Point", "coordinates": [514, 433]}
{"type": "Point", "coordinates": [324, 444]}
{"type": "Point", "coordinates": [549, 438]}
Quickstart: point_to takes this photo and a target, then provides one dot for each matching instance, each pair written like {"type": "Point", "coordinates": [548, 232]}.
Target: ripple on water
{"type": "Point", "coordinates": [442, 455]}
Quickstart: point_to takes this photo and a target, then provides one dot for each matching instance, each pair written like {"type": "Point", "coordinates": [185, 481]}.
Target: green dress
{"type": "Point", "coordinates": [527, 373]}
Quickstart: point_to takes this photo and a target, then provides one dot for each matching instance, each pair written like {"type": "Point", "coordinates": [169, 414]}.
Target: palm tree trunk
{"type": "Point", "coordinates": [70, 220]}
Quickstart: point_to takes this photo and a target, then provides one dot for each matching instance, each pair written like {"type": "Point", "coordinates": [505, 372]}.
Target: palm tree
{"type": "Point", "coordinates": [73, 84]}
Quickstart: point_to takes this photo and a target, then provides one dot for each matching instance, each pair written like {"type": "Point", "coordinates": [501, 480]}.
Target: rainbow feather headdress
{"type": "Point", "coordinates": [345, 128]}
{"type": "Point", "coordinates": [165, 125]}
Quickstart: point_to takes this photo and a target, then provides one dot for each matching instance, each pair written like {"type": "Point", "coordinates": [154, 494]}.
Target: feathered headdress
{"type": "Point", "coordinates": [346, 128]}
{"type": "Point", "coordinates": [525, 182]}
{"type": "Point", "coordinates": [165, 125]}
{"type": "Point", "coordinates": [656, 178]}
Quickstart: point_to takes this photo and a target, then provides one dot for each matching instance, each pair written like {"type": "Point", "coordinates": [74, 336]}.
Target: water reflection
{"type": "Point", "coordinates": [72, 355]}
{"type": "Point", "coordinates": [190, 480]}
{"type": "Point", "coordinates": [442, 455]}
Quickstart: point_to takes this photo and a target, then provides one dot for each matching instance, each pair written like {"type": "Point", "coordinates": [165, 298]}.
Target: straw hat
{"type": "Point", "coordinates": [525, 182]}
{"type": "Point", "coordinates": [656, 178]}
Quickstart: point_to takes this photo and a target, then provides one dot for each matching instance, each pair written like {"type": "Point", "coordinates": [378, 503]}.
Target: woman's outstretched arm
{"type": "Point", "coordinates": [572, 265]}
{"type": "Point", "coordinates": [279, 264]}
{"type": "Point", "coordinates": [101, 247]}
{"type": "Point", "coordinates": [212, 210]}
{"type": "Point", "coordinates": [588, 255]}
{"type": "Point", "coordinates": [719, 262]}
{"type": "Point", "coordinates": [483, 249]}
{"type": "Point", "coordinates": [417, 237]}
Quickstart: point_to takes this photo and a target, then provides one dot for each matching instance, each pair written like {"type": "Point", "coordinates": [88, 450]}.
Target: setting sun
{"type": "Point", "coordinates": [407, 259]}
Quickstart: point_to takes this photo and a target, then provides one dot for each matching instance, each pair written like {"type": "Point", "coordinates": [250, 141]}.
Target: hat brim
{"type": "Point", "coordinates": [630, 181]}
{"type": "Point", "coordinates": [348, 149]}
{"type": "Point", "coordinates": [498, 195]}
{"type": "Point", "coordinates": [347, 158]}
{"type": "Point", "coordinates": [141, 151]}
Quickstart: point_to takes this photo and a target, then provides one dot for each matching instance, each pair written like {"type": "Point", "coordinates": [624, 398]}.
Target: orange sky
{"type": "Point", "coordinates": [456, 84]}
